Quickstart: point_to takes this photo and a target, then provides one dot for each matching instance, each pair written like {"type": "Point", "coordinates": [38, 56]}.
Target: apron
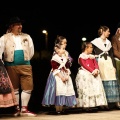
{"type": "Point", "coordinates": [107, 71]}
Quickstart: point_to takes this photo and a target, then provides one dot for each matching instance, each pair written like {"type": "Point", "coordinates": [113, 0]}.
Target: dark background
{"type": "Point", "coordinates": [71, 19]}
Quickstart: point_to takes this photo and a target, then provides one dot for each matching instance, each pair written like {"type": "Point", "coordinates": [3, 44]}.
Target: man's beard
{"type": "Point", "coordinates": [19, 30]}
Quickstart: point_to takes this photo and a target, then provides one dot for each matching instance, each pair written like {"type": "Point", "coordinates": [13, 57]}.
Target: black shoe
{"type": "Point", "coordinates": [90, 110]}
{"type": "Point", "coordinates": [107, 109]}
{"type": "Point", "coordinates": [117, 107]}
{"type": "Point", "coordinates": [94, 110]}
{"type": "Point", "coordinates": [104, 109]}
{"type": "Point", "coordinates": [64, 113]}
{"type": "Point", "coordinates": [54, 113]}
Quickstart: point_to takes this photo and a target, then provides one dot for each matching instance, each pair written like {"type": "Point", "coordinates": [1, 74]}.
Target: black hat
{"type": "Point", "coordinates": [14, 20]}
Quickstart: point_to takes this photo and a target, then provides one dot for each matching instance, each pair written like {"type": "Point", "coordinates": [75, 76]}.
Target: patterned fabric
{"type": "Point", "coordinates": [7, 98]}
{"type": "Point", "coordinates": [4, 82]}
{"type": "Point", "coordinates": [90, 89]}
{"type": "Point", "coordinates": [112, 91]}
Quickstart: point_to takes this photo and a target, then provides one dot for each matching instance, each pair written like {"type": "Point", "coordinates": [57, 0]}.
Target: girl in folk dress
{"type": "Point", "coordinates": [59, 89]}
{"type": "Point", "coordinates": [63, 41]}
{"type": "Point", "coordinates": [104, 53]}
{"type": "Point", "coordinates": [89, 85]}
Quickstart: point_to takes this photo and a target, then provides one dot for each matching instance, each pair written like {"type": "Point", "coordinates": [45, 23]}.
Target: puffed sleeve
{"type": "Point", "coordinates": [55, 66]}
{"type": "Point", "coordinates": [84, 65]}
{"type": "Point", "coordinates": [96, 64]}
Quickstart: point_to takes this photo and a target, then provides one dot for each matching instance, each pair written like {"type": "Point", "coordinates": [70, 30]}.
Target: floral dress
{"type": "Point", "coordinates": [90, 89]}
{"type": "Point", "coordinates": [7, 96]}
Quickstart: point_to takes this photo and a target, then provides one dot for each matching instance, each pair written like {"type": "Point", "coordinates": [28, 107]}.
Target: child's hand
{"type": "Point", "coordinates": [95, 75]}
{"type": "Point", "coordinates": [67, 77]}
{"type": "Point", "coordinates": [63, 79]}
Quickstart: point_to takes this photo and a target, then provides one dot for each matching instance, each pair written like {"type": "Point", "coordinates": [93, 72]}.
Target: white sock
{"type": "Point", "coordinates": [25, 97]}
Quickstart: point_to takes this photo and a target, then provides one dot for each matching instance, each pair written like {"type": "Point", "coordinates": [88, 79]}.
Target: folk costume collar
{"type": "Point", "coordinates": [98, 42]}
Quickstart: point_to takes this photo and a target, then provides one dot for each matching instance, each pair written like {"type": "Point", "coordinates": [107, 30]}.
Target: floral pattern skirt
{"type": "Point", "coordinates": [7, 96]}
{"type": "Point", "coordinates": [90, 90]}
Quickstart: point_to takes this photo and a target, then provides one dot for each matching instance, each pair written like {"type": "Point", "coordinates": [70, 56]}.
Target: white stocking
{"type": "Point", "coordinates": [25, 97]}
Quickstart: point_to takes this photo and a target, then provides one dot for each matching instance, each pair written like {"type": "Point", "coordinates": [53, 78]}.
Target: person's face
{"type": "Point", "coordinates": [89, 48]}
{"type": "Point", "coordinates": [17, 27]}
{"type": "Point", "coordinates": [118, 31]}
{"type": "Point", "coordinates": [64, 42]}
{"type": "Point", "coordinates": [61, 50]}
{"type": "Point", "coordinates": [106, 33]}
